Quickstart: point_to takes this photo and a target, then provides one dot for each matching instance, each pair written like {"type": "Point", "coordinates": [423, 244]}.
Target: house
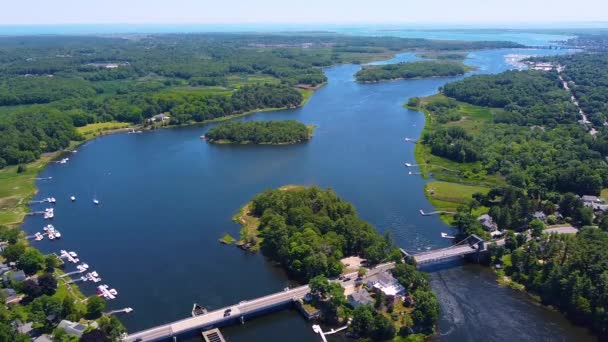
{"type": "Point", "coordinates": [360, 297]}
{"type": "Point", "coordinates": [10, 295]}
{"type": "Point", "coordinates": [386, 283]}
{"type": "Point", "coordinates": [540, 215]}
{"type": "Point", "coordinates": [597, 206]}
{"type": "Point", "coordinates": [23, 328]}
{"type": "Point", "coordinates": [593, 199]}
{"type": "Point", "coordinates": [4, 268]}
{"type": "Point", "coordinates": [72, 328]}
{"type": "Point", "coordinates": [160, 117]}
{"type": "Point", "coordinates": [487, 222]}
{"type": "Point", "coordinates": [15, 276]}
{"type": "Point", "coordinates": [43, 338]}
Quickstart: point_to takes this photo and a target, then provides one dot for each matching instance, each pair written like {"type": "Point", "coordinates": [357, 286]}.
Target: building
{"type": "Point", "coordinates": [597, 207]}
{"type": "Point", "coordinates": [540, 215]}
{"type": "Point", "coordinates": [360, 297]}
{"type": "Point", "coordinates": [23, 328]}
{"type": "Point", "coordinates": [160, 117]}
{"type": "Point", "coordinates": [487, 222]}
{"type": "Point", "coordinates": [72, 328]}
{"type": "Point", "coordinates": [386, 283]}
{"type": "Point", "coordinates": [43, 338]}
{"type": "Point", "coordinates": [593, 199]}
{"type": "Point", "coordinates": [10, 295]}
{"type": "Point", "coordinates": [15, 276]}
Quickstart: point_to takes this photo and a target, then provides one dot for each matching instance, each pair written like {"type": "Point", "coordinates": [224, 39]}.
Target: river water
{"type": "Point", "coordinates": [167, 196]}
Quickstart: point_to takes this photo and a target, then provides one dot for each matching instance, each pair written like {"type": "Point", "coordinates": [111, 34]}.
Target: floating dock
{"type": "Point", "coordinates": [213, 335]}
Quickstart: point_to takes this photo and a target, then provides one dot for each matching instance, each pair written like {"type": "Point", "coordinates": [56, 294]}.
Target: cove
{"type": "Point", "coordinates": [166, 197]}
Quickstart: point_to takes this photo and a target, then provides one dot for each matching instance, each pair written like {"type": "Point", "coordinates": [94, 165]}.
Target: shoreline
{"type": "Point", "coordinates": [310, 128]}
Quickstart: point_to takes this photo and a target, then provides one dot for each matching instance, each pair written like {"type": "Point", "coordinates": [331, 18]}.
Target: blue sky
{"type": "Point", "coordinates": [490, 12]}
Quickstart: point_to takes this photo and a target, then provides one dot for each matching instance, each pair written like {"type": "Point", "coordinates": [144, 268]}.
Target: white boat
{"type": "Point", "coordinates": [408, 164]}
{"type": "Point", "coordinates": [85, 266]}
{"type": "Point", "coordinates": [51, 236]}
{"type": "Point", "coordinates": [72, 198]}
{"type": "Point", "coordinates": [72, 254]}
{"type": "Point", "coordinates": [95, 201]}
{"type": "Point", "coordinates": [94, 274]}
{"type": "Point", "coordinates": [58, 235]}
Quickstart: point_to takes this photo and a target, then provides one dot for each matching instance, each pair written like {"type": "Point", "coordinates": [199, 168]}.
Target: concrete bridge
{"type": "Point", "coordinates": [245, 309]}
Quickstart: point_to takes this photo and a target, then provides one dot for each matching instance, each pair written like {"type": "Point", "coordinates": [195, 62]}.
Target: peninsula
{"type": "Point", "coordinates": [260, 132]}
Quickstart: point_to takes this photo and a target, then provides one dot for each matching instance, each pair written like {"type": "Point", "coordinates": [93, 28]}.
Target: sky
{"type": "Point", "coordinates": [462, 12]}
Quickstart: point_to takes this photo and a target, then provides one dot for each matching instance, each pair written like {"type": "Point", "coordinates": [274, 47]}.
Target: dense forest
{"type": "Point", "coordinates": [587, 75]}
{"type": "Point", "coordinates": [259, 132]}
{"type": "Point", "coordinates": [528, 97]}
{"type": "Point", "coordinates": [309, 230]}
{"type": "Point", "coordinates": [409, 70]}
{"type": "Point", "coordinates": [193, 78]}
{"type": "Point", "coordinates": [568, 272]}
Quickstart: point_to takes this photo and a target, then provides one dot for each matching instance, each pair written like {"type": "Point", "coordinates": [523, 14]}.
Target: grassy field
{"type": "Point", "coordinates": [91, 131]}
{"type": "Point", "coordinates": [457, 182]}
{"type": "Point", "coordinates": [446, 196]}
{"type": "Point", "coordinates": [17, 189]}
{"type": "Point", "coordinates": [473, 119]}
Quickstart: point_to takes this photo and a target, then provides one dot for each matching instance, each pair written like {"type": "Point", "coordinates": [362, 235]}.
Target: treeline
{"type": "Point", "coordinates": [28, 132]}
{"type": "Point", "coordinates": [587, 75]}
{"type": "Point", "coordinates": [528, 97]}
{"type": "Point", "coordinates": [259, 132]}
{"type": "Point", "coordinates": [24, 137]}
{"type": "Point", "coordinates": [193, 77]}
{"type": "Point", "coordinates": [422, 69]}
{"type": "Point", "coordinates": [309, 230]}
{"type": "Point", "coordinates": [569, 272]}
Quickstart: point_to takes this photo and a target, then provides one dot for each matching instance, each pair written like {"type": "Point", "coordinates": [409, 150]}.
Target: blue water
{"type": "Point", "coordinates": [530, 38]}
{"type": "Point", "coordinates": [166, 197]}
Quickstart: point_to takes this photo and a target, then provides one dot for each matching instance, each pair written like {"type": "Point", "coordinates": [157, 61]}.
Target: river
{"type": "Point", "coordinates": [167, 196]}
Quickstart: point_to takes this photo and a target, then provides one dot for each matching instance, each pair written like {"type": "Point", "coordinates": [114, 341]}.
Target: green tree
{"type": "Point", "coordinates": [48, 284]}
{"type": "Point", "coordinates": [536, 227]}
{"type": "Point", "coordinates": [95, 306]}
{"type": "Point", "coordinates": [13, 252]}
{"type": "Point", "coordinates": [426, 311]}
{"type": "Point", "coordinates": [112, 327]}
{"type": "Point", "coordinates": [31, 261]}
{"type": "Point", "coordinates": [363, 321]}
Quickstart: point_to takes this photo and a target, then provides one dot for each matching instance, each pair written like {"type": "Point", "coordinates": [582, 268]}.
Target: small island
{"type": "Point", "coordinates": [357, 277]}
{"type": "Point", "coordinates": [260, 132]}
{"type": "Point", "coordinates": [411, 70]}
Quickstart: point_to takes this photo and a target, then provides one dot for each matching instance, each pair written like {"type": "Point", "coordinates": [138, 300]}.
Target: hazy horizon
{"type": "Point", "coordinates": [312, 12]}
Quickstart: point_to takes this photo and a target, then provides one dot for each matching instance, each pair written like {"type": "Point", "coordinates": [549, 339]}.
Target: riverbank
{"type": "Point", "coordinates": [454, 183]}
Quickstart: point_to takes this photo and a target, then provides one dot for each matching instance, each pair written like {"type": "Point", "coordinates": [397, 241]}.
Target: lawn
{"type": "Point", "coordinates": [473, 119]}
{"type": "Point", "coordinates": [17, 189]}
{"type": "Point", "coordinates": [92, 130]}
{"type": "Point", "coordinates": [446, 196]}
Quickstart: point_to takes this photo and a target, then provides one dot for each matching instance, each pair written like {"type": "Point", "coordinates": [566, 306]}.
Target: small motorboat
{"type": "Point", "coordinates": [408, 164]}
{"type": "Point", "coordinates": [72, 198]}
{"type": "Point", "coordinates": [198, 310]}
{"type": "Point", "coordinates": [96, 201]}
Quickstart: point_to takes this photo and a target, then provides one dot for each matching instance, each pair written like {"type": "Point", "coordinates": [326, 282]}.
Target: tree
{"type": "Point", "coordinates": [112, 327]}
{"type": "Point", "coordinates": [50, 263]}
{"type": "Point", "coordinates": [319, 285]}
{"type": "Point", "coordinates": [383, 328]}
{"type": "Point", "coordinates": [48, 284]}
{"type": "Point", "coordinates": [536, 227]}
{"type": "Point", "coordinates": [31, 261]}
{"type": "Point", "coordinates": [13, 252]}
{"type": "Point", "coordinates": [31, 289]}
{"type": "Point", "coordinates": [94, 336]}
{"type": "Point", "coordinates": [361, 272]}
{"type": "Point", "coordinates": [95, 306]}
{"type": "Point", "coordinates": [604, 223]}
{"type": "Point", "coordinates": [60, 335]}
{"type": "Point", "coordinates": [363, 321]}
{"type": "Point", "coordinates": [426, 311]}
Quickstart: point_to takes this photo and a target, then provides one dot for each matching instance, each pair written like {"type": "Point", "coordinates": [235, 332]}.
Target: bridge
{"type": "Point", "coordinates": [472, 244]}
{"type": "Point", "coordinates": [245, 309]}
